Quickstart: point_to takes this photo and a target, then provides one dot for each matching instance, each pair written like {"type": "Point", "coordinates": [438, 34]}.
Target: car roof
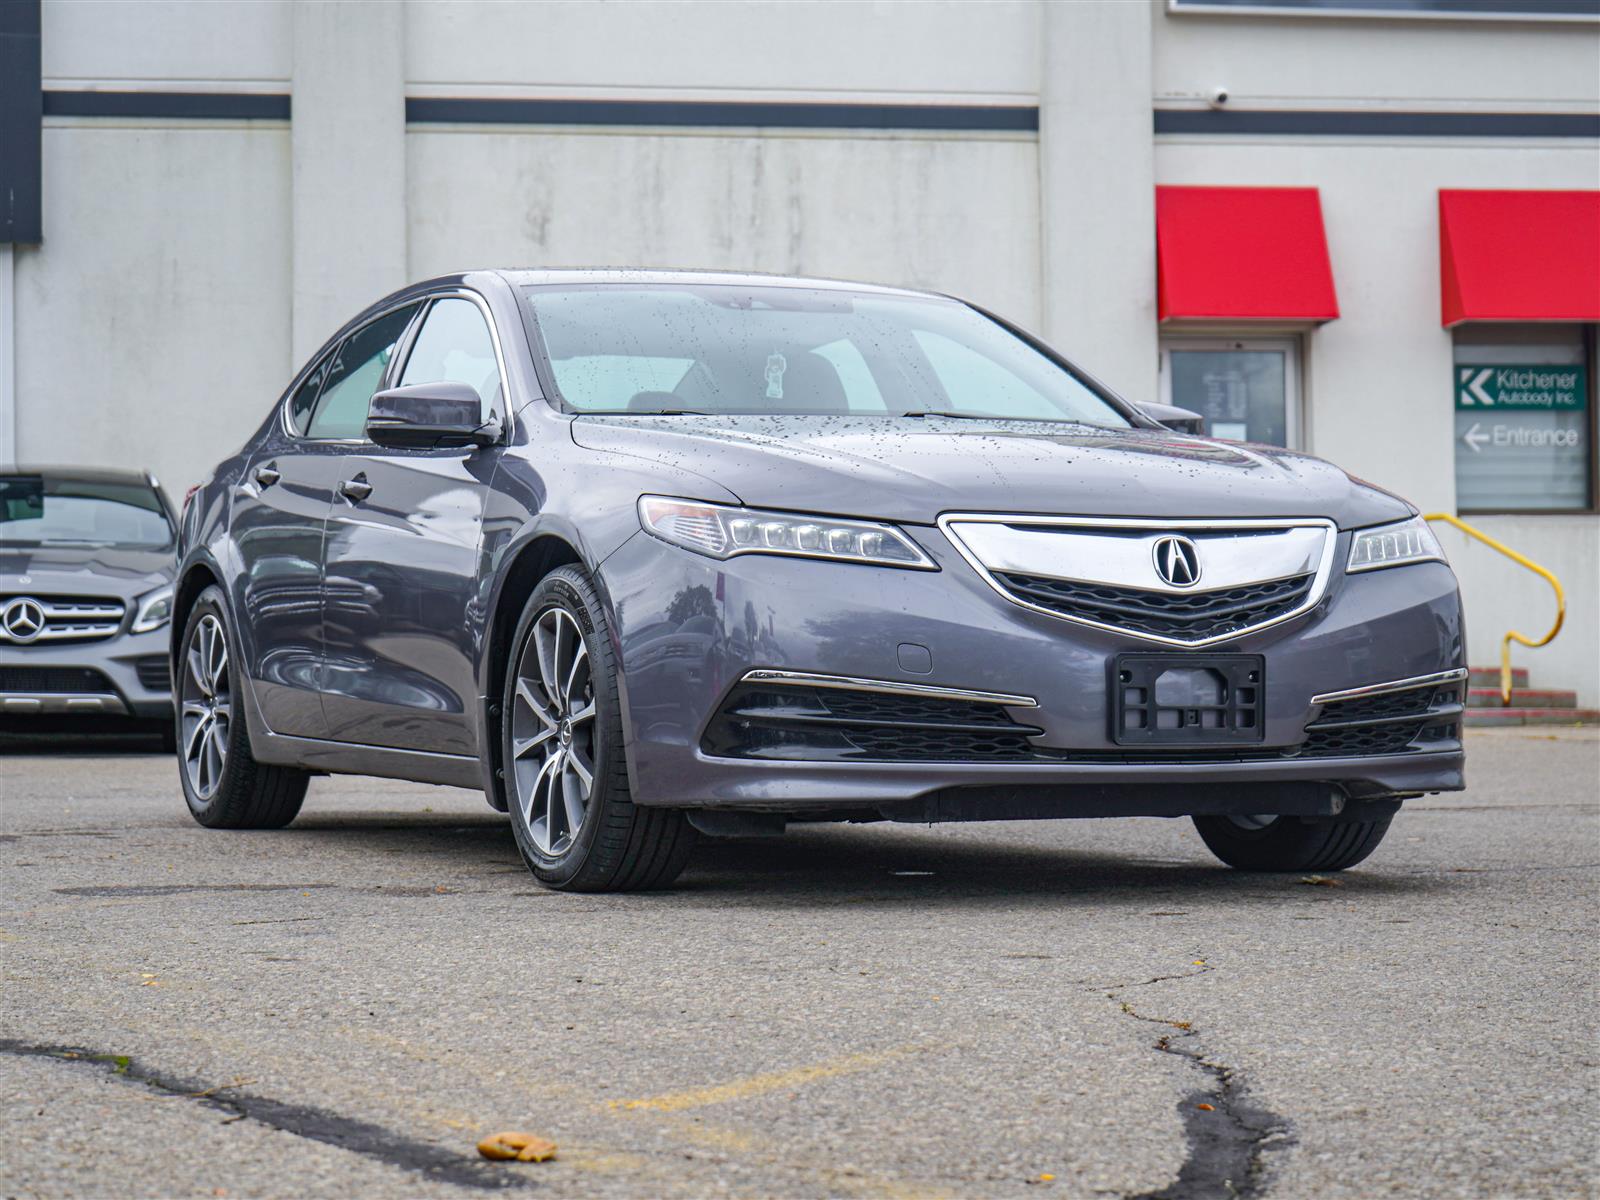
{"type": "Point", "coordinates": [534, 277]}
{"type": "Point", "coordinates": [79, 474]}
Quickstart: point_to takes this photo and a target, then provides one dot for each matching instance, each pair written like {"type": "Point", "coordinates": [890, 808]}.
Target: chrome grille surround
{"type": "Point", "coordinates": [1118, 553]}
{"type": "Point", "coordinates": [69, 618]}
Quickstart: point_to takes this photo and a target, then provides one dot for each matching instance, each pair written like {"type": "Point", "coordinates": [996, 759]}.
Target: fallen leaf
{"type": "Point", "coordinates": [1046, 1178]}
{"type": "Point", "coordinates": [523, 1147]}
{"type": "Point", "coordinates": [1320, 881]}
{"type": "Point", "coordinates": [1205, 1108]}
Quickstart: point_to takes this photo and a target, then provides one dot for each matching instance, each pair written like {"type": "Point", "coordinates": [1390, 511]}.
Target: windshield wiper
{"type": "Point", "coordinates": [966, 416]}
{"type": "Point", "coordinates": [643, 412]}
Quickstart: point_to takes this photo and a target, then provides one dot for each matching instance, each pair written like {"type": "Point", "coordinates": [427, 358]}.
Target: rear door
{"type": "Point", "coordinates": [279, 518]}
{"type": "Point", "coordinates": [399, 598]}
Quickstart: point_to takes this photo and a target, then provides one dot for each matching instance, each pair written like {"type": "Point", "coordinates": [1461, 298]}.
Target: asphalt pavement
{"type": "Point", "coordinates": [1087, 1008]}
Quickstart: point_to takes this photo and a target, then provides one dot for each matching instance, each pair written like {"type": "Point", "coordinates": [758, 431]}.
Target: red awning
{"type": "Point", "coordinates": [1519, 256]}
{"type": "Point", "coordinates": [1243, 254]}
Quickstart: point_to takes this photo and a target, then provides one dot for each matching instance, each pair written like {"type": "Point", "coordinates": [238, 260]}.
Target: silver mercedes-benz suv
{"type": "Point", "coordinates": [86, 564]}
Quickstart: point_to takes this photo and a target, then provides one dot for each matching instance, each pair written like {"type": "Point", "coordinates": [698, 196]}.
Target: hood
{"type": "Point", "coordinates": [912, 470]}
{"type": "Point", "coordinates": [123, 571]}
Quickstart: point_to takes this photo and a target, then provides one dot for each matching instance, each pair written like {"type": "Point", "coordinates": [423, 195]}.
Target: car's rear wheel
{"type": "Point", "coordinates": [1268, 843]}
{"type": "Point", "coordinates": [566, 776]}
{"type": "Point", "coordinates": [226, 788]}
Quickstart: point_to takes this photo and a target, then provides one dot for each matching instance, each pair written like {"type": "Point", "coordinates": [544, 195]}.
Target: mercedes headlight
{"type": "Point", "coordinates": [154, 611]}
{"type": "Point", "coordinates": [722, 531]}
{"type": "Point", "coordinates": [1394, 545]}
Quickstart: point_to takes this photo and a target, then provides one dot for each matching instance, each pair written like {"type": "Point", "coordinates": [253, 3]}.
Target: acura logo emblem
{"type": "Point", "coordinates": [23, 619]}
{"type": "Point", "coordinates": [1177, 561]}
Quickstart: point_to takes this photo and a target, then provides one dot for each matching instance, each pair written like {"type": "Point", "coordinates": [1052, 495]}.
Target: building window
{"type": "Point", "coordinates": [1247, 389]}
{"type": "Point", "coordinates": [1524, 418]}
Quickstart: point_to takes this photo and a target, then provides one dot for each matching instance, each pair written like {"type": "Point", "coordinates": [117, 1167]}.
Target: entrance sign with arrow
{"type": "Point", "coordinates": [1522, 436]}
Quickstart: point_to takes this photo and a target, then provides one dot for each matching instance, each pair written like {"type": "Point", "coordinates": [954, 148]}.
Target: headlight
{"type": "Point", "coordinates": [722, 531]}
{"type": "Point", "coordinates": [1392, 545]}
{"type": "Point", "coordinates": [154, 611]}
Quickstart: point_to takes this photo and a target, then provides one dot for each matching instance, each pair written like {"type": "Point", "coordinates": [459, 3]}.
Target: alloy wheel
{"type": "Point", "coordinates": [553, 732]}
{"type": "Point", "coordinates": [207, 707]}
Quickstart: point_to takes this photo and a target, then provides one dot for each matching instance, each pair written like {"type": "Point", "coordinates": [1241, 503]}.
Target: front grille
{"type": "Point", "coordinates": [53, 681]}
{"type": "Point", "coordinates": [827, 724]}
{"type": "Point", "coordinates": [154, 673]}
{"type": "Point", "coordinates": [1187, 616]}
{"type": "Point", "coordinates": [69, 618]}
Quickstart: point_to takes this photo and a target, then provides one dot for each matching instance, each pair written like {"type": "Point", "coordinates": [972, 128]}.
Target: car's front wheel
{"type": "Point", "coordinates": [225, 786]}
{"type": "Point", "coordinates": [1270, 843]}
{"type": "Point", "coordinates": [566, 777]}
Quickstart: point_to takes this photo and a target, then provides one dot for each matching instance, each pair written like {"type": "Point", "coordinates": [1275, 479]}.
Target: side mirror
{"type": "Point", "coordinates": [429, 416]}
{"type": "Point", "coordinates": [1179, 420]}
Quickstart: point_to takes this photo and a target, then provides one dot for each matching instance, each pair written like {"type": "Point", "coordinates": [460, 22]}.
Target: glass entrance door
{"type": "Point", "coordinates": [1247, 389]}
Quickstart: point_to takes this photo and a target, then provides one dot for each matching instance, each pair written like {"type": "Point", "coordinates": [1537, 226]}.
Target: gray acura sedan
{"type": "Point", "coordinates": [651, 555]}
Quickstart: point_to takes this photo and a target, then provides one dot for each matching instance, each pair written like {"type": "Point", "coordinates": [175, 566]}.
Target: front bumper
{"type": "Point", "coordinates": [113, 677]}
{"type": "Point", "coordinates": [690, 628]}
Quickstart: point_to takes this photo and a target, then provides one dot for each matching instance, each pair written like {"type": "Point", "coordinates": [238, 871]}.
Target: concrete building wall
{"type": "Point", "coordinates": [149, 333]}
{"type": "Point", "coordinates": [899, 209]}
{"type": "Point", "coordinates": [1310, 62]}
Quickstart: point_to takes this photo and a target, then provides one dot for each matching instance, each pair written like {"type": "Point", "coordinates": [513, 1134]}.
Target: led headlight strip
{"type": "Point", "coordinates": [154, 611]}
{"type": "Point", "coordinates": [723, 531]}
{"type": "Point", "coordinates": [1394, 545]}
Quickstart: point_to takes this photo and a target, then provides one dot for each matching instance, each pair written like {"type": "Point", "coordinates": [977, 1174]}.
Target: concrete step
{"type": "Point", "coordinates": [1484, 677]}
{"type": "Point", "coordinates": [1489, 697]}
{"type": "Point", "coordinates": [1484, 718]}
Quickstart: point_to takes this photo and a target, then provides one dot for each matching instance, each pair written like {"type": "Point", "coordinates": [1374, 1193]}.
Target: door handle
{"type": "Point", "coordinates": [355, 490]}
{"type": "Point", "coordinates": [266, 476]}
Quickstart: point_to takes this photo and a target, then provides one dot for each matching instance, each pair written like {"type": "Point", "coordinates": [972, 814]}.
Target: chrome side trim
{"type": "Point", "coordinates": [887, 687]}
{"type": "Point", "coordinates": [60, 702]}
{"type": "Point", "coordinates": [1313, 597]}
{"type": "Point", "coordinates": [1397, 685]}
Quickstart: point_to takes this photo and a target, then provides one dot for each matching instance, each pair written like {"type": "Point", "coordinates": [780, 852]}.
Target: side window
{"type": "Point", "coordinates": [454, 345]}
{"type": "Point", "coordinates": [354, 372]}
{"type": "Point", "coordinates": [977, 384]}
{"type": "Point", "coordinates": [305, 396]}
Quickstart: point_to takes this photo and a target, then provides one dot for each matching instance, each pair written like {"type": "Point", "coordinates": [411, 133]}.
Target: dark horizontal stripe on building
{"type": "Point", "coordinates": [726, 114]}
{"type": "Point", "coordinates": [193, 106]}
{"type": "Point", "coordinates": [1379, 124]}
{"type": "Point", "coordinates": [734, 114]}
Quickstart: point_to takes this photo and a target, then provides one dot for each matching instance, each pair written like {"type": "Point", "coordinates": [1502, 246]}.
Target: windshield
{"type": "Point", "coordinates": [48, 510]}
{"type": "Point", "coordinates": [713, 348]}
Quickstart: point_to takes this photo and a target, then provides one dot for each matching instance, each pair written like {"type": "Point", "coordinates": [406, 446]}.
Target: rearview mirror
{"type": "Point", "coordinates": [1179, 420]}
{"type": "Point", "coordinates": [427, 416]}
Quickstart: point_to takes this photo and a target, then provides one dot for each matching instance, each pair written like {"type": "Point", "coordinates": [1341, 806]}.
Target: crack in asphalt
{"type": "Point", "coordinates": [1228, 1136]}
{"type": "Point", "coordinates": [304, 1121]}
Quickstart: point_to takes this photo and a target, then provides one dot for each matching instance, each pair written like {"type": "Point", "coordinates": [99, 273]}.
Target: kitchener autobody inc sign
{"type": "Point", "coordinates": [1522, 436]}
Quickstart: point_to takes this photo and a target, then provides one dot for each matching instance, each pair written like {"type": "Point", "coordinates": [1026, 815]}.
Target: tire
{"type": "Point", "coordinates": [225, 787]}
{"type": "Point", "coordinates": [560, 707]}
{"type": "Point", "coordinates": [1290, 843]}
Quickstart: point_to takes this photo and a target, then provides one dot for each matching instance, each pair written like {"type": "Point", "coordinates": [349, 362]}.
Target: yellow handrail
{"type": "Point", "coordinates": [1512, 634]}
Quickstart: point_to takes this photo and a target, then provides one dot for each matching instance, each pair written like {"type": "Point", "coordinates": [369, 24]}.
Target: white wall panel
{"type": "Point", "coordinates": [152, 327]}
{"type": "Point", "coordinates": [165, 40]}
{"type": "Point", "coordinates": [957, 214]}
{"type": "Point", "coordinates": [1285, 62]}
{"type": "Point", "coordinates": [756, 45]}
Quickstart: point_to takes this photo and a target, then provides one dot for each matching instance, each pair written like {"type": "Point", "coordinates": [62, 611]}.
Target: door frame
{"type": "Point", "coordinates": [1294, 423]}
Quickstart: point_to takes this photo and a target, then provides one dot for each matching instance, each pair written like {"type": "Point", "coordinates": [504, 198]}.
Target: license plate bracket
{"type": "Point", "coordinates": [1187, 699]}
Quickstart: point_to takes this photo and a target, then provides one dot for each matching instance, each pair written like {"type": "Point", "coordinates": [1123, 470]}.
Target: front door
{"type": "Point", "coordinates": [278, 514]}
{"type": "Point", "coordinates": [1247, 389]}
{"type": "Point", "coordinates": [401, 564]}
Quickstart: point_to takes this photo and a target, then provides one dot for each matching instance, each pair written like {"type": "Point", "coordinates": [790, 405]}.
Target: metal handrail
{"type": "Point", "coordinates": [1512, 635]}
